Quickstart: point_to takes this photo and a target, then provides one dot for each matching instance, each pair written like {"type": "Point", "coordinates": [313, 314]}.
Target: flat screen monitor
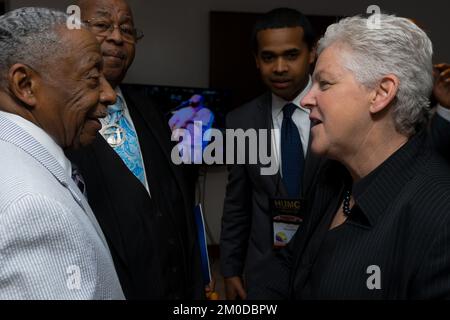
{"type": "Point", "coordinates": [169, 98]}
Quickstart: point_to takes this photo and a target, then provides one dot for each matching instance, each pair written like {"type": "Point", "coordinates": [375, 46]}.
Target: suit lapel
{"type": "Point", "coordinates": [308, 242]}
{"type": "Point", "coordinates": [152, 119]}
{"type": "Point", "coordinates": [87, 209]}
{"type": "Point", "coordinates": [107, 161]}
{"type": "Point", "coordinates": [15, 135]}
{"type": "Point", "coordinates": [155, 123]}
{"type": "Point", "coordinates": [312, 163]}
{"type": "Point", "coordinates": [140, 104]}
{"type": "Point", "coordinates": [274, 182]}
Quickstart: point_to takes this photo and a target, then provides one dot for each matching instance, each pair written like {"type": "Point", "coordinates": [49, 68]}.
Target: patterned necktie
{"type": "Point", "coordinates": [78, 179]}
{"type": "Point", "coordinates": [292, 156]}
{"type": "Point", "coordinates": [129, 151]}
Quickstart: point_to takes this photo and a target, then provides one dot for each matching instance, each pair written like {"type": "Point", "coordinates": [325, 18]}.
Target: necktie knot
{"type": "Point", "coordinates": [289, 110]}
{"type": "Point", "coordinates": [116, 107]}
{"type": "Point", "coordinates": [122, 137]}
{"type": "Point", "coordinates": [292, 156]}
{"type": "Point", "coordinates": [115, 111]}
{"type": "Point", "coordinates": [78, 179]}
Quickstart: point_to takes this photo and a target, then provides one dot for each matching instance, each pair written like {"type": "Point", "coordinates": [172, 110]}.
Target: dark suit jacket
{"type": "Point", "coordinates": [440, 134]}
{"type": "Point", "coordinates": [152, 239]}
{"type": "Point", "coordinates": [247, 221]}
{"type": "Point", "coordinates": [400, 224]}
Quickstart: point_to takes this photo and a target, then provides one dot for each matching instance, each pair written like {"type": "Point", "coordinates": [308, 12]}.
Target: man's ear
{"type": "Point", "coordinates": [22, 83]}
{"type": "Point", "coordinates": [384, 93]}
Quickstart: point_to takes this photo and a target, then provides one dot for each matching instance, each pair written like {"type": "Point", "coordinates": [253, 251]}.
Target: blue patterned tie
{"type": "Point", "coordinates": [129, 151]}
{"type": "Point", "coordinates": [292, 156]}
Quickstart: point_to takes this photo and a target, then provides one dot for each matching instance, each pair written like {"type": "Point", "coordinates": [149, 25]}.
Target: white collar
{"type": "Point", "coordinates": [43, 138]}
{"type": "Point", "coordinates": [278, 103]}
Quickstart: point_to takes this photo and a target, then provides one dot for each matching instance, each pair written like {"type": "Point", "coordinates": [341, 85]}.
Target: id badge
{"type": "Point", "coordinates": [287, 215]}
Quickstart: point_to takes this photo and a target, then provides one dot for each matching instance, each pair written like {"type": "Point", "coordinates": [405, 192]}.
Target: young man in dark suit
{"type": "Point", "coordinates": [142, 201]}
{"type": "Point", "coordinates": [284, 50]}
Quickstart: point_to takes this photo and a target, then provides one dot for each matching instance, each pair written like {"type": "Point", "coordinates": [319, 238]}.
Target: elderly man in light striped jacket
{"type": "Point", "coordinates": [52, 92]}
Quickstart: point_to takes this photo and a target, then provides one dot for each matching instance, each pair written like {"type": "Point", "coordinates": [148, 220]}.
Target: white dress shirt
{"type": "Point", "coordinates": [300, 118]}
{"type": "Point", "coordinates": [43, 138]}
{"type": "Point", "coordinates": [443, 112]}
{"type": "Point", "coordinates": [126, 114]}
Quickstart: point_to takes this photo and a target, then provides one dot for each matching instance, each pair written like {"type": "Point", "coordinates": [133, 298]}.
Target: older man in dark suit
{"type": "Point", "coordinates": [141, 199]}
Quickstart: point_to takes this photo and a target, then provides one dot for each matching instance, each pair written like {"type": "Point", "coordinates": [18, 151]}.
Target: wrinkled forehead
{"type": "Point", "coordinates": [80, 45]}
{"type": "Point", "coordinates": [76, 37]}
{"type": "Point", "coordinates": [105, 9]}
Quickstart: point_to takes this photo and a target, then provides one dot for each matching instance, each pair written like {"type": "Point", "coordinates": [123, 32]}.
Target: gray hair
{"type": "Point", "coordinates": [397, 47]}
{"type": "Point", "coordinates": [29, 36]}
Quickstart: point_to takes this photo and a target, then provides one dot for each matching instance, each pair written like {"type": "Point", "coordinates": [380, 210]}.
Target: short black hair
{"type": "Point", "coordinates": [283, 18]}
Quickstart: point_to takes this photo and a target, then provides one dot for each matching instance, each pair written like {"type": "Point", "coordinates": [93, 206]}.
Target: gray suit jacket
{"type": "Point", "coordinates": [51, 246]}
{"type": "Point", "coordinates": [247, 220]}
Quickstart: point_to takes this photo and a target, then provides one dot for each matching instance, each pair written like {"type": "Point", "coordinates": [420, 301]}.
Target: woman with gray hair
{"type": "Point", "coordinates": [378, 225]}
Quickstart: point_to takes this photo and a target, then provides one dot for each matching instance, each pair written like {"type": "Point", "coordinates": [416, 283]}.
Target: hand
{"type": "Point", "coordinates": [234, 288]}
{"type": "Point", "coordinates": [209, 290]}
{"type": "Point", "coordinates": [441, 89]}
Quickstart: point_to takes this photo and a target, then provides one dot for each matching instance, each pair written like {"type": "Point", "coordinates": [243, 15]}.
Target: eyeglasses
{"type": "Point", "coordinates": [104, 28]}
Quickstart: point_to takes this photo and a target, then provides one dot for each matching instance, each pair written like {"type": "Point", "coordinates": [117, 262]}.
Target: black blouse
{"type": "Point", "coordinates": [399, 226]}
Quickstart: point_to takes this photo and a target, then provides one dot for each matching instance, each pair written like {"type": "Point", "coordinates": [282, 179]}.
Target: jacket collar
{"type": "Point", "coordinates": [15, 135]}
{"type": "Point", "coordinates": [393, 175]}
{"type": "Point", "coordinates": [312, 161]}
{"type": "Point", "coordinates": [12, 133]}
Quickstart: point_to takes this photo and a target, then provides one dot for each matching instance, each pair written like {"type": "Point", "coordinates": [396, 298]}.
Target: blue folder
{"type": "Point", "coordinates": [200, 222]}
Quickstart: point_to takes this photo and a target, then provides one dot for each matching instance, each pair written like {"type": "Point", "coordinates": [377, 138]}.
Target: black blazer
{"type": "Point", "coordinates": [400, 224]}
{"type": "Point", "coordinates": [247, 221]}
{"type": "Point", "coordinates": [152, 239]}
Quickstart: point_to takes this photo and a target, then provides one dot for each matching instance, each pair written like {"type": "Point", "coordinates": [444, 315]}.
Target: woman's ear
{"type": "Point", "coordinates": [22, 83]}
{"type": "Point", "coordinates": [384, 93]}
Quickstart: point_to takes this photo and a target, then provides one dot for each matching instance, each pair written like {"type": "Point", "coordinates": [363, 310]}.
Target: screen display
{"type": "Point", "coordinates": [170, 99]}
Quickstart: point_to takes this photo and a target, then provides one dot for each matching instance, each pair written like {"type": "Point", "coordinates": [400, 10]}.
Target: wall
{"type": "Point", "coordinates": [175, 48]}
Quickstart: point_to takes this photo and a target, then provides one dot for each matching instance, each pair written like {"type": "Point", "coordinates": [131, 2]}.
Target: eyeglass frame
{"type": "Point", "coordinates": [138, 34]}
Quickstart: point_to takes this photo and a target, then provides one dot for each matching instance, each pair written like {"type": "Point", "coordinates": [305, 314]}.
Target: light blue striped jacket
{"type": "Point", "coordinates": [51, 246]}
